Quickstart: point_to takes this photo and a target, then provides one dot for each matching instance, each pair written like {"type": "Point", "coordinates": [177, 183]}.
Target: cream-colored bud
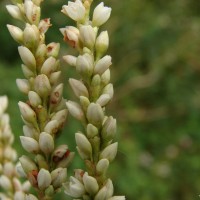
{"type": "Point", "coordinates": [16, 33]}
{"type": "Point", "coordinates": [75, 10]}
{"type": "Point", "coordinates": [52, 127]}
{"type": "Point", "coordinates": [103, 100]}
{"type": "Point", "coordinates": [58, 176]}
{"type": "Point", "coordinates": [46, 143]}
{"type": "Point", "coordinates": [14, 11]}
{"type": "Point", "coordinates": [40, 54]}
{"type": "Point", "coordinates": [87, 36]}
{"type": "Point", "coordinates": [31, 197]}
{"type": "Point", "coordinates": [20, 170]}
{"type": "Point", "coordinates": [75, 110]}
{"type": "Point", "coordinates": [60, 117]}
{"type": "Point", "coordinates": [31, 132]}
{"type": "Point", "coordinates": [27, 164]}
{"type": "Point", "coordinates": [117, 198]}
{"type": "Point", "coordinates": [96, 86]}
{"type": "Point", "coordinates": [71, 60]}
{"type": "Point", "coordinates": [4, 104]}
{"type": "Point", "coordinates": [102, 43]}
{"type": "Point", "coordinates": [95, 114]}
{"type": "Point", "coordinates": [42, 85]}
{"type": "Point", "coordinates": [108, 89]}
{"type": "Point", "coordinates": [8, 169]}
{"type": "Point", "coordinates": [55, 77]}
{"type": "Point", "coordinates": [101, 194]}
{"type": "Point", "coordinates": [29, 144]}
{"type": "Point", "coordinates": [50, 191]}
{"type": "Point", "coordinates": [23, 85]}
{"type": "Point", "coordinates": [83, 144]}
{"type": "Point", "coordinates": [27, 57]}
{"type": "Point", "coordinates": [102, 65]}
{"type": "Point", "coordinates": [100, 15]}
{"type": "Point", "coordinates": [90, 183]}
{"type": "Point", "coordinates": [85, 65]}
{"type": "Point", "coordinates": [27, 72]}
{"type": "Point", "coordinates": [49, 66]}
{"type": "Point", "coordinates": [31, 36]}
{"type": "Point", "coordinates": [34, 99]}
{"type": "Point", "coordinates": [19, 195]}
{"type": "Point", "coordinates": [105, 77]}
{"type": "Point", "coordinates": [109, 152]}
{"type": "Point", "coordinates": [102, 166]}
{"type": "Point", "coordinates": [5, 183]}
{"type": "Point", "coordinates": [84, 101]}
{"type": "Point", "coordinates": [53, 49]}
{"type": "Point", "coordinates": [92, 131]}
{"type": "Point", "coordinates": [78, 88]}
{"type": "Point", "coordinates": [26, 186]}
{"type": "Point", "coordinates": [41, 161]}
{"type": "Point", "coordinates": [27, 113]}
{"type": "Point", "coordinates": [16, 184]}
{"type": "Point", "coordinates": [109, 187]}
{"type": "Point", "coordinates": [56, 94]}
{"type": "Point", "coordinates": [44, 179]}
{"type": "Point", "coordinates": [44, 25]}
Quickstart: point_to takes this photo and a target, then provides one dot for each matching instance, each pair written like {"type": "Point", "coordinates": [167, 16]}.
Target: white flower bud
{"type": "Point", "coordinates": [30, 132]}
{"type": "Point", "coordinates": [27, 113]}
{"type": "Point", "coordinates": [60, 116]}
{"type": "Point", "coordinates": [40, 54]}
{"type": "Point", "coordinates": [27, 72]}
{"type": "Point", "coordinates": [52, 127]}
{"type": "Point", "coordinates": [42, 85]}
{"type": "Point", "coordinates": [8, 169]}
{"type": "Point", "coordinates": [78, 88]}
{"type": "Point", "coordinates": [92, 131]}
{"type": "Point", "coordinates": [95, 114]}
{"type": "Point", "coordinates": [49, 66]}
{"type": "Point", "coordinates": [27, 57]}
{"type": "Point", "coordinates": [101, 195]}
{"type": "Point", "coordinates": [16, 33]}
{"type": "Point", "coordinates": [46, 143]}
{"type": "Point", "coordinates": [83, 144]}
{"type": "Point", "coordinates": [84, 101]}
{"type": "Point", "coordinates": [109, 152]}
{"type": "Point", "coordinates": [19, 195]}
{"type": "Point", "coordinates": [53, 49]}
{"type": "Point", "coordinates": [75, 110]}
{"type": "Point", "coordinates": [29, 144]}
{"type": "Point", "coordinates": [58, 177]}
{"type": "Point", "coordinates": [20, 170]}
{"type": "Point", "coordinates": [14, 11]}
{"type": "Point", "coordinates": [55, 77]}
{"type": "Point", "coordinates": [75, 10]}
{"type": "Point", "coordinates": [34, 99]}
{"type": "Point", "coordinates": [102, 65]}
{"type": "Point", "coordinates": [105, 77]}
{"type": "Point", "coordinates": [108, 89]}
{"type": "Point", "coordinates": [87, 36]}
{"type": "Point", "coordinates": [102, 166]}
{"type": "Point", "coordinates": [101, 14]}
{"type": "Point", "coordinates": [23, 85]}
{"type": "Point", "coordinates": [5, 183]}
{"type": "Point", "coordinates": [31, 197]}
{"type": "Point", "coordinates": [102, 43]}
{"type": "Point", "coordinates": [103, 100]}
{"type": "Point", "coordinates": [85, 65]}
{"type": "Point", "coordinates": [56, 94]}
{"type": "Point", "coordinates": [27, 164]}
{"type": "Point", "coordinates": [109, 187]}
{"type": "Point", "coordinates": [71, 60]}
{"type": "Point", "coordinates": [117, 198]}
{"type": "Point", "coordinates": [90, 183]}
{"type": "Point", "coordinates": [26, 186]}
{"type": "Point", "coordinates": [44, 179]}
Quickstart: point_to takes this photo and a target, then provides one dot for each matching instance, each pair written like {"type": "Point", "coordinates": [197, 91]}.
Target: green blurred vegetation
{"type": "Point", "coordinates": [156, 73]}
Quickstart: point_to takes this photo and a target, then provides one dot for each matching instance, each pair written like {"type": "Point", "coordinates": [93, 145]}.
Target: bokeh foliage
{"type": "Point", "coordinates": [156, 73]}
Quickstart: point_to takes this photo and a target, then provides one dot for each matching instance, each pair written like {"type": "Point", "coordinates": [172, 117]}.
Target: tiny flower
{"type": "Point", "coordinates": [102, 43]}
{"type": "Point", "coordinates": [44, 25]}
{"type": "Point", "coordinates": [109, 152]}
{"type": "Point", "coordinates": [14, 11]}
{"type": "Point", "coordinates": [101, 14]}
{"type": "Point", "coordinates": [75, 10]}
{"type": "Point", "coordinates": [44, 179]}
{"type": "Point", "coordinates": [16, 33]}
{"type": "Point", "coordinates": [102, 65]}
{"type": "Point", "coordinates": [29, 144]}
{"type": "Point", "coordinates": [90, 183]}
{"type": "Point", "coordinates": [53, 49]}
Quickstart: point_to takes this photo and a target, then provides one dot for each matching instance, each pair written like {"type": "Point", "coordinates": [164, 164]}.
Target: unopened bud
{"type": "Point", "coordinates": [20, 170]}
{"type": "Point", "coordinates": [44, 179]}
{"type": "Point", "coordinates": [108, 90]}
{"type": "Point", "coordinates": [29, 144]}
{"type": "Point", "coordinates": [27, 164]}
{"type": "Point", "coordinates": [117, 198]}
{"type": "Point", "coordinates": [102, 65]}
{"type": "Point", "coordinates": [48, 66]}
{"type": "Point", "coordinates": [19, 195]}
{"type": "Point", "coordinates": [16, 33]}
{"type": "Point", "coordinates": [60, 117]}
{"type": "Point", "coordinates": [71, 60]}
{"type": "Point", "coordinates": [23, 85]}
{"type": "Point", "coordinates": [102, 166]}
{"type": "Point", "coordinates": [5, 183]}
{"type": "Point", "coordinates": [59, 176]}
{"type": "Point", "coordinates": [34, 99]}
{"type": "Point", "coordinates": [46, 143]}
{"type": "Point", "coordinates": [105, 77]}
{"type": "Point", "coordinates": [40, 54]}
{"type": "Point", "coordinates": [55, 77]}
{"type": "Point", "coordinates": [31, 197]}
{"type": "Point", "coordinates": [102, 43]}
{"type": "Point", "coordinates": [92, 131]}
{"type": "Point", "coordinates": [53, 49]}
{"type": "Point", "coordinates": [84, 101]}
{"type": "Point", "coordinates": [31, 132]}
{"type": "Point", "coordinates": [15, 12]}
{"type": "Point", "coordinates": [101, 194]}
{"type": "Point", "coordinates": [109, 152]}
{"type": "Point", "coordinates": [103, 100]}
{"type": "Point", "coordinates": [90, 183]}
{"type": "Point", "coordinates": [56, 94]}
{"type": "Point", "coordinates": [109, 187]}
{"type": "Point", "coordinates": [52, 127]}
{"type": "Point", "coordinates": [27, 72]}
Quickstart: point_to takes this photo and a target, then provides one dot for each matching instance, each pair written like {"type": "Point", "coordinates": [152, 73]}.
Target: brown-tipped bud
{"type": "Point", "coordinates": [109, 152]}
{"type": "Point", "coordinates": [52, 127]}
{"type": "Point", "coordinates": [16, 33]}
{"type": "Point", "coordinates": [60, 117]}
{"type": "Point", "coordinates": [23, 85]}
{"type": "Point", "coordinates": [60, 153]}
{"type": "Point", "coordinates": [56, 94]}
{"type": "Point", "coordinates": [46, 143]}
{"type": "Point", "coordinates": [53, 49]}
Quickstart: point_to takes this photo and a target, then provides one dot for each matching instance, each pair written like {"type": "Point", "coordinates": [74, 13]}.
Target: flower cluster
{"type": "Point", "coordinates": [94, 90]}
{"type": "Point", "coordinates": [45, 112]}
{"type": "Point", "coordinates": [9, 179]}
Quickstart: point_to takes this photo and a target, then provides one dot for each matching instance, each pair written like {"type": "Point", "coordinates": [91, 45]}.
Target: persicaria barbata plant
{"type": "Point", "coordinates": [45, 110]}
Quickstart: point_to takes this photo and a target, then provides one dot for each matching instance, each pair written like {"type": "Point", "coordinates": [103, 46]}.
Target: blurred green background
{"type": "Point", "coordinates": [156, 73]}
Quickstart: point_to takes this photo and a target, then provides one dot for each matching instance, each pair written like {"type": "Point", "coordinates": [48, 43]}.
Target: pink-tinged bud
{"type": "Point", "coordinates": [44, 25]}
{"type": "Point", "coordinates": [49, 66]}
{"type": "Point", "coordinates": [27, 164]}
{"type": "Point", "coordinates": [102, 65]}
{"type": "Point", "coordinates": [27, 113]}
{"type": "Point", "coordinates": [31, 197]}
{"type": "Point", "coordinates": [103, 100]}
{"type": "Point", "coordinates": [75, 110]}
{"type": "Point", "coordinates": [90, 183]}
{"type": "Point", "coordinates": [117, 198]}
{"type": "Point", "coordinates": [5, 183]}
{"type": "Point", "coordinates": [46, 143]}
{"type": "Point", "coordinates": [42, 85]}
{"type": "Point", "coordinates": [31, 36]}
{"type": "Point", "coordinates": [87, 36]}
{"type": "Point", "coordinates": [101, 14]}
{"type": "Point", "coordinates": [85, 65]}
{"type": "Point", "coordinates": [92, 131]}
{"type": "Point", "coordinates": [44, 179]}
{"type": "Point", "coordinates": [23, 85]}
{"type": "Point", "coordinates": [102, 166]}
{"type": "Point", "coordinates": [71, 35]}
{"type": "Point", "coordinates": [95, 114]}
{"type": "Point", "coordinates": [16, 33]}
{"type": "Point", "coordinates": [109, 152]}
{"type": "Point", "coordinates": [19, 195]}
{"type": "Point", "coordinates": [56, 94]}
{"type": "Point", "coordinates": [78, 88]}
{"type": "Point", "coordinates": [102, 43]}
{"type": "Point", "coordinates": [29, 144]}
{"type": "Point", "coordinates": [27, 57]}
{"type": "Point", "coordinates": [71, 60]}
{"type": "Point", "coordinates": [83, 145]}
{"type": "Point", "coordinates": [108, 89]}
{"type": "Point", "coordinates": [14, 11]}
{"type": "Point", "coordinates": [53, 49]}
{"type": "Point", "coordinates": [34, 99]}
{"type": "Point", "coordinates": [75, 10]}
{"type": "Point", "coordinates": [58, 176]}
